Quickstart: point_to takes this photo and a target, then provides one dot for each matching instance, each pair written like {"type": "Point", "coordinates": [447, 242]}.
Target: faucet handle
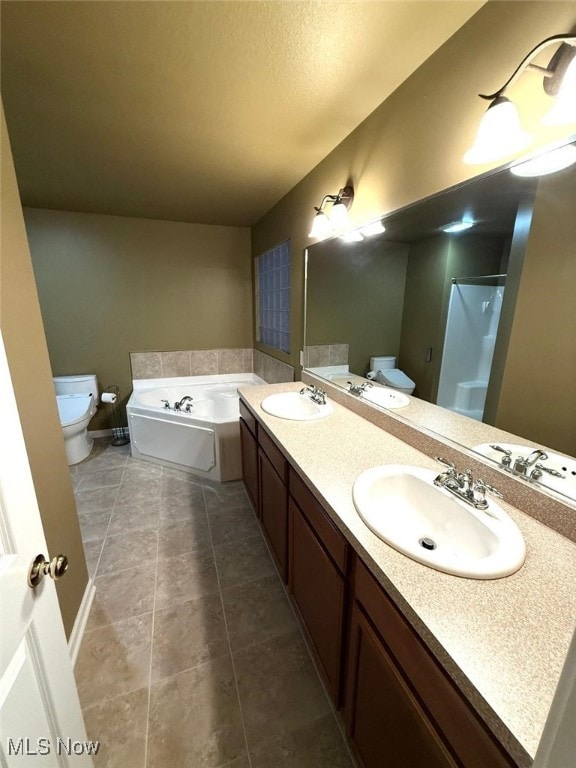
{"type": "Point", "coordinates": [505, 451]}
{"type": "Point", "coordinates": [481, 485]}
{"type": "Point", "coordinates": [541, 468]}
{"type": "Point", "coordinates": [449, 464]}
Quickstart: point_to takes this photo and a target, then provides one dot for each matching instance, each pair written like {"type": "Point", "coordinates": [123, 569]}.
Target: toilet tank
{"type": "Point", "coordinates": [384, 363]}
{"type": "Point", "coordinates": [77, 385]}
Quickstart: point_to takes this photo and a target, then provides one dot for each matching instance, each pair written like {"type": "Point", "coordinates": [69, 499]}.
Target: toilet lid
{"type": "Point", "coordinates": [396, 378]}
{"type": "Point", "coordinates": [73, 408]}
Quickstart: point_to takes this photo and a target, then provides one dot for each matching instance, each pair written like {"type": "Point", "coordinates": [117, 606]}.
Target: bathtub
{"type": "Point", "coordinates": [205, 441]}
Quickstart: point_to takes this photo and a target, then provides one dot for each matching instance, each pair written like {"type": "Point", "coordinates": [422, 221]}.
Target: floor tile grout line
{"type": "Point", "coordinates": [118, 621]}
{"type": "Point", "coordinates": [228, 639]}
{"type": "Point", "coordinates": [151, 649]}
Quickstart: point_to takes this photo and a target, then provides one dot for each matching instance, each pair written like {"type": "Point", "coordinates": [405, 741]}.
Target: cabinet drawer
{"type": "Point", "coordinates": [329, 535]}
{"type": "Point", "coordinates": [249, 419]}
{"type": "Point", "coordinates": [469, 738]}
{"type": "Point", "coordinates": [274, 454]}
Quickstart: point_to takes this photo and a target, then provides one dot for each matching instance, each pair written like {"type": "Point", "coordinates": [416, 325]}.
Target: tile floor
{"type": "Point", "coordinates": [192, 656]}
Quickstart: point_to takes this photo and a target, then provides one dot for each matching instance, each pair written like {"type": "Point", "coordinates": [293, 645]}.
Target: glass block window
{"type": "Point", "coordinates": [273, 297]}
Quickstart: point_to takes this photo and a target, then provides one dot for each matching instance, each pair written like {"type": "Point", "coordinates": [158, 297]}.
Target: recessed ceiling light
{"type": "Point", "coordinates": [457, 226]}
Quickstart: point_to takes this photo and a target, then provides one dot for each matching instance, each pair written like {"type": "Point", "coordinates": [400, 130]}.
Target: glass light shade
{"type": "Point", "coordinates": [564, 109]}
{"type": "Point", "coordinates": [548, 162]}
{"type": "Point", "coordinates": [352, 237]}
{"type": "Point", "coordinates": [321, 226]}
{"type": "Point", "coordinates": [499, 134]}
{"type": "Point", "coordinates": [339, 216]}
{"type": "Point", "coordinates": [375, 228]}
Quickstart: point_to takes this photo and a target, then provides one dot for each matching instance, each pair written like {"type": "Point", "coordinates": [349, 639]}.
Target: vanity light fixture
{"type": "Point", "coordinates": [375, 228]}
{"type": "Point", "coordinates": [500, 133]}
{"type": "Point", "coordinates": [546, 162]}
{"type": "Point", "coordinates": [324, 224]}
{"type": "Point", "coordinates": [352, 237]}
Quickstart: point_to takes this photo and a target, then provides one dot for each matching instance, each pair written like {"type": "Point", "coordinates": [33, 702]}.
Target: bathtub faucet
{"type": "Point", "coordinates": [178, 405]}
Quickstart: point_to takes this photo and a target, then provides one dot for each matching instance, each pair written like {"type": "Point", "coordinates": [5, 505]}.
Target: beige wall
{"type": "Point", "coordinates": [25, 343]}
{"type": "Point", "coordinates": [111, 285]}
{"type": "Point", "coordinates": [355, 296]}
{"type": "Point", "coordinates": [412, 145]}
{"type": "Point", "coordinates": [538, 393]}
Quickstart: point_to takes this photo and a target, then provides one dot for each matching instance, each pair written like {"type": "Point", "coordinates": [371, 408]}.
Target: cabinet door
{"type": "Point", "coordinates": [386, 723]}
{"type": "Point", "coordinates": [319, 591]}
{"type": "Point", "coordinates": [249, 464]}
{"type": "Point", "coordinates": [274, 511]}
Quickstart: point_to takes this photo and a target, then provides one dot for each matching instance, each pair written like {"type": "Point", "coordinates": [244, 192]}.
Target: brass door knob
{"type": "Point", "coordinates": [55, 568]}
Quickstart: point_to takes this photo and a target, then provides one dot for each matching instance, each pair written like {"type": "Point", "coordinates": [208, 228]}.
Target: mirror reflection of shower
{"type": "Point", "coordinates": [471, 329]}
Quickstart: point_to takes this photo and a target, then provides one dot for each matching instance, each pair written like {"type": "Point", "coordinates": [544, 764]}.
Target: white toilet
{"type": "Point", "coordinates": [77, 398]}
{"type": "Point", "coordinates": [384, 371]}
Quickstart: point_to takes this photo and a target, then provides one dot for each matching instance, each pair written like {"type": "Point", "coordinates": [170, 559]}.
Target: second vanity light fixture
{"type": "Point", "coordinates": [325, 224]}
{"type": "Point", "coordinates": [500, 133]}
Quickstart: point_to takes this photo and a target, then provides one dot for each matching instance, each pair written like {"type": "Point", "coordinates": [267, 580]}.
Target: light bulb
{"type": "Point", "coordinates": [499, 134]}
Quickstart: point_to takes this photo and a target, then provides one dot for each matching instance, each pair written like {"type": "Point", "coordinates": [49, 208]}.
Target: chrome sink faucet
{"type": "Point", "coordinates": [315, 393]}
{"type": "Point", "coordinates": [463, 486]}
{"type": "Point", "coordinates": [358, 389]}
{"type": "Point", "coordinates": [522, 465]}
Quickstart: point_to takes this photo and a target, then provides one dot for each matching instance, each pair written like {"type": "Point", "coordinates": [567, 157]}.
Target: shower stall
{"type": "Point", "coordinates": [471, 328]}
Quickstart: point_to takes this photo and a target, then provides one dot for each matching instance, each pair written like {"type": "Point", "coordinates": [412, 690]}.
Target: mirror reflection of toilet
{"type": "Point", "coordinates": [384, 371]}
{"type": "Point", "coordinates": [77, 398]}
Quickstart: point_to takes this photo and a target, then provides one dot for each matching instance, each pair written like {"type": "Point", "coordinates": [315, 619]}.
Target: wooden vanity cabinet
{"type": "Point", "coordinates": [402, 709]}
{"type": "Point", "coordinates": [249, 443]}
{"type": "Point", "coordinates": [318, 560]}
{"type": "Point", "coordinates": [273, 475]}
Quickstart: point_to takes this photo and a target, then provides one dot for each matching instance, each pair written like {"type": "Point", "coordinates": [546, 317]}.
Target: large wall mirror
{"type": "Point", "coordinates": [482, 321]}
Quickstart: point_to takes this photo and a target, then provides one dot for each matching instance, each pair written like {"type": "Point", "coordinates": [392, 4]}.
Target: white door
{"type": "Point", "coordinates": [41, 721]}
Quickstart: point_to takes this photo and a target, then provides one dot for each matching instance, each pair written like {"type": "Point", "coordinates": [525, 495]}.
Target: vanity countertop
{"type": "Point", "coordinates": [503, 641]}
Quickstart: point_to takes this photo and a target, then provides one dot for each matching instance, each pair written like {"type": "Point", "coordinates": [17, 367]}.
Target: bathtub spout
{"type": "Point", "coordinates": [180, 403]}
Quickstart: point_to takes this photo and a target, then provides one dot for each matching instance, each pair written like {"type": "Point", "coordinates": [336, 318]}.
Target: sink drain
{"type": "Point", "coordinates": [427, 543]}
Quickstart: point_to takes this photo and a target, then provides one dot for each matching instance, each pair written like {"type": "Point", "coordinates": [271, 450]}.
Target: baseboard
{"type": "Point", "coordinates": [79, 627]}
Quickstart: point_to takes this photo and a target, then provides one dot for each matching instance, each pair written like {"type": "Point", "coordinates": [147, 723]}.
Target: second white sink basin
{"type": "Point", "coordinates": [294, 406]}
{"type": "Point", "coordinates": [387, 398]}
{"type": "Point", "coordinates": [402, 506]}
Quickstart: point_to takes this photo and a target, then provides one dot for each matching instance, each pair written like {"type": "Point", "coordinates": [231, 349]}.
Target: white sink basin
{"type": "Point", "coordinates": [563, 464]}
{"type": "Point", "coordinates": [402, 506]}
{"type": "Point", "coordinates": [294, 406]}
{"type": "Point", "coordinates": [385, 397]}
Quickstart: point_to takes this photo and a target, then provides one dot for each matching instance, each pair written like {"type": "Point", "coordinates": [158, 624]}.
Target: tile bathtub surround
{"type": "Point", "coordinates": [272, 370]}
{"type": "Point", "coordinates": [192, 656]}
{"type": "Point", "coordinates": [208, 362]}
{"type": "Point", "coordinates": [326, 354]}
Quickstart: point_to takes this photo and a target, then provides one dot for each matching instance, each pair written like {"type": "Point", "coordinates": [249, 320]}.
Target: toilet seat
{"type": "Point", "coordinates": [396, 378]}
{"type": "Point", "coordinates": [73, 409]}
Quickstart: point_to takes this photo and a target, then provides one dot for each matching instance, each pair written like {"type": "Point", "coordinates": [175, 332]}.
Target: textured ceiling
{"type": "Point", "coordinates": [206, 112]}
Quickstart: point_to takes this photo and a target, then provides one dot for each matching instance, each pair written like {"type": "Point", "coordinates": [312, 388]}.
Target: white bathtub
{"type": "Point", "coordinates": [205, 441]}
